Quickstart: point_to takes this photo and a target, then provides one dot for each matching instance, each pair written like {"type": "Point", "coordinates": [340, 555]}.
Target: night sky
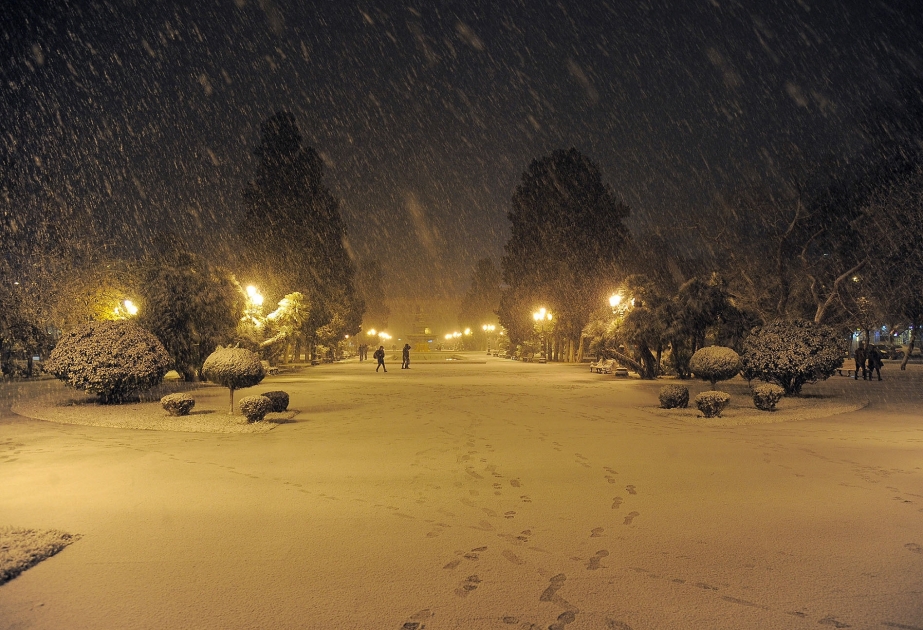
{"type": "Point", "coordinates": [145, 114]}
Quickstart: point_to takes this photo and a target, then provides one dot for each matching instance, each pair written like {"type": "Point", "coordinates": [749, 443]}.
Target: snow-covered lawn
{"type": "Point", "coordinates": [480, 495]}
{"type": "Point", "coordinates": [22, 548]}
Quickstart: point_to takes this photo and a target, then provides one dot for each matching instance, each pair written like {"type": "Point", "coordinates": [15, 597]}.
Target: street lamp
{"type": "Point", "coordinates": [614, 300]}
{"type": "Point", "coordinates": [541, 316]}
{"type": "Point", "coordinates": [488, 329]}
{"type": "Point", "coordinates": [253, 310]}
{"type": "Point", "coordinates": [124, 310]}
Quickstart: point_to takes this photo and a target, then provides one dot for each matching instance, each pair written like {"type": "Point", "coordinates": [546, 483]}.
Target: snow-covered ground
{"type": "Point", "coordinates": [477, 495]}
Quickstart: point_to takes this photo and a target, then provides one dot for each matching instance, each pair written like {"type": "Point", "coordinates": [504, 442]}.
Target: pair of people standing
{"type": "Point", "coordinates": [867, 361]}
{"type": "Point", "coordinates": [380, 356]}
{"type": "Point", "coordinates": [405, 358]}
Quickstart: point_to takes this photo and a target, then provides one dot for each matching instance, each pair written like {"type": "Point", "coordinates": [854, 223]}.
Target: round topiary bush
{"type": "Point", "coordinates": [110, 359]}
{"type": "Point", "coordinates": [673, 396]}
{"type": "Point", "coordinates": [255, 408]}
{"type": "Point", "coordinates": [792, 353]}
{"type": "Point", "coordinates": [715, 363]}
{"type": "Point", "coordinates": [712, 403]}
{"type": "Point", "coordinates": [234, 368]}
{"type": "Point", "coordinates": [177, 404]}
{"type": "Point", "coordinates": [767, 396]}
{"type": "Point", "coordinates": [279, 400]}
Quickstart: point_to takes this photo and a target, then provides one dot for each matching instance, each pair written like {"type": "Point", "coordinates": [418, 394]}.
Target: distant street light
{"type": "Point", "coordinates": [614, 300]}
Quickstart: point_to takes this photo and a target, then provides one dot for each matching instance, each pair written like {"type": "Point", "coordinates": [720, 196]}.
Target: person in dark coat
{"type": "Point", "coordinates": [405, 362]}
{"type": "Point", "coordinates": [861, 356]}
{"type": "Point", "coordinates": [380, 355]}
{"type": "Point", "coordinates": [874, 362]}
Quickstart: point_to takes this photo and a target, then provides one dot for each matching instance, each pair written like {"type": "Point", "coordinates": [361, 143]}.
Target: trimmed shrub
{"type": "Point", "coordinates": [715, 363]}
{"type": "Point", "coordinates": [712, 403]}
{"type": "Point", "coordinates": [234, 368]}
{"type": "Point", "coordinates": [177, 404]}
{"type": "Point", "coordinates": [673, 396]}
{"type": "Point", "coordinates": [255, 408]}
{"type": "Point", "coordinates": [279, 400]}
{"type": "Point", "coordinates": [766, 396]}
{"type": "Point", "coordinates": [112, 360]}
{"type": "Point", "coordinates": [793, 353]}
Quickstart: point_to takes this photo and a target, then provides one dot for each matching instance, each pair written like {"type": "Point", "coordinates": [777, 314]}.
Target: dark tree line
{"type": "Point", "coordinates": [833, 242]}
{"type": "Point", "coordinates": [56, 273]}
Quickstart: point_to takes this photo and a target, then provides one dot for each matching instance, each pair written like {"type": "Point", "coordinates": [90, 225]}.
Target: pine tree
{"type": "Point", "coordinates": [566, 240]}
{"type": "Point", "coordinates": [292, 234]}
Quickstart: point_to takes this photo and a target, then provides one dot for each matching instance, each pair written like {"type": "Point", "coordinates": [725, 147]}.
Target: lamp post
{"type": "Point", "coordinates": [488, 329]}
{"type": "Point", "coordinates": [541, 316]}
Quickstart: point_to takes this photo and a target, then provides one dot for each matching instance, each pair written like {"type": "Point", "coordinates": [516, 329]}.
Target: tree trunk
{"type": "Point", "coordinates": [647, 361]}
{"type": "Point", "coordinates": [581, 350]}
{"type": "Point", "coordinates": [232, 400]}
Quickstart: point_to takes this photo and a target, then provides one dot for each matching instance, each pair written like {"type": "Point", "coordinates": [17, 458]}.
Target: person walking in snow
{"type": "Point", "coordinates": [860, 361]}
{"type": "Point", "coordinates": [380, 355]}
{"type": "Point", "coordinates": [405, 357]}
{"type": "Point", "coordinates": [874, 362]}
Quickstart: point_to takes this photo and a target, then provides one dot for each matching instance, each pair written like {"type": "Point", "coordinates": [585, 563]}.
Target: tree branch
{"type": "Point", "coordinates": [834, 292]}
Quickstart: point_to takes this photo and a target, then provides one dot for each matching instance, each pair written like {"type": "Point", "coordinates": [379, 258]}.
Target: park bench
{"type": "Point", "coordinates": [603, 367]}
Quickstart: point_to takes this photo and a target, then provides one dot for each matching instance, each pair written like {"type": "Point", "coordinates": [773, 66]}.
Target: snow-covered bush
{"type": "Point", "coordinates": [793, 353]}
{"type": "Point", "coordinates": [255, 408]}
{"type": "Point", "coordinates": [712, 403]}
{"type": "Point", "coordinates": [767, 396]}
{"type": "Point", "coordinates": [177, 404]}
{"type": "Point", "coordinates": [715, 363]}
{"type": "Point", "coordinates": [110, 359]}
{"type": "Point", "coordinates": [279, 400]}
{"type": "Point", "coordinates": [672, 396]}
{"type": "Point", "coordinates": [234, 368]}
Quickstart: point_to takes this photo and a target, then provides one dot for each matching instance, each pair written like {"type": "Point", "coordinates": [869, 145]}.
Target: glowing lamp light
{"type": "Point", "coordinates": [467, 331]}
{"type": "Point", "coordinates": [614, 300]}
{"type": "Point", "coordinates": [372, 333]}
{"type": "Point", "coordinates": [130, 308]}
{"type": "Point", "coordinates": [254, 295]}
{"type": "Point", "coordinates": [541, 314]}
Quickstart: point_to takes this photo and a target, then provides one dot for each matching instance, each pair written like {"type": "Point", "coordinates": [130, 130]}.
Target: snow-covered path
{"type": "Point", "coordinates": [486, 495]}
